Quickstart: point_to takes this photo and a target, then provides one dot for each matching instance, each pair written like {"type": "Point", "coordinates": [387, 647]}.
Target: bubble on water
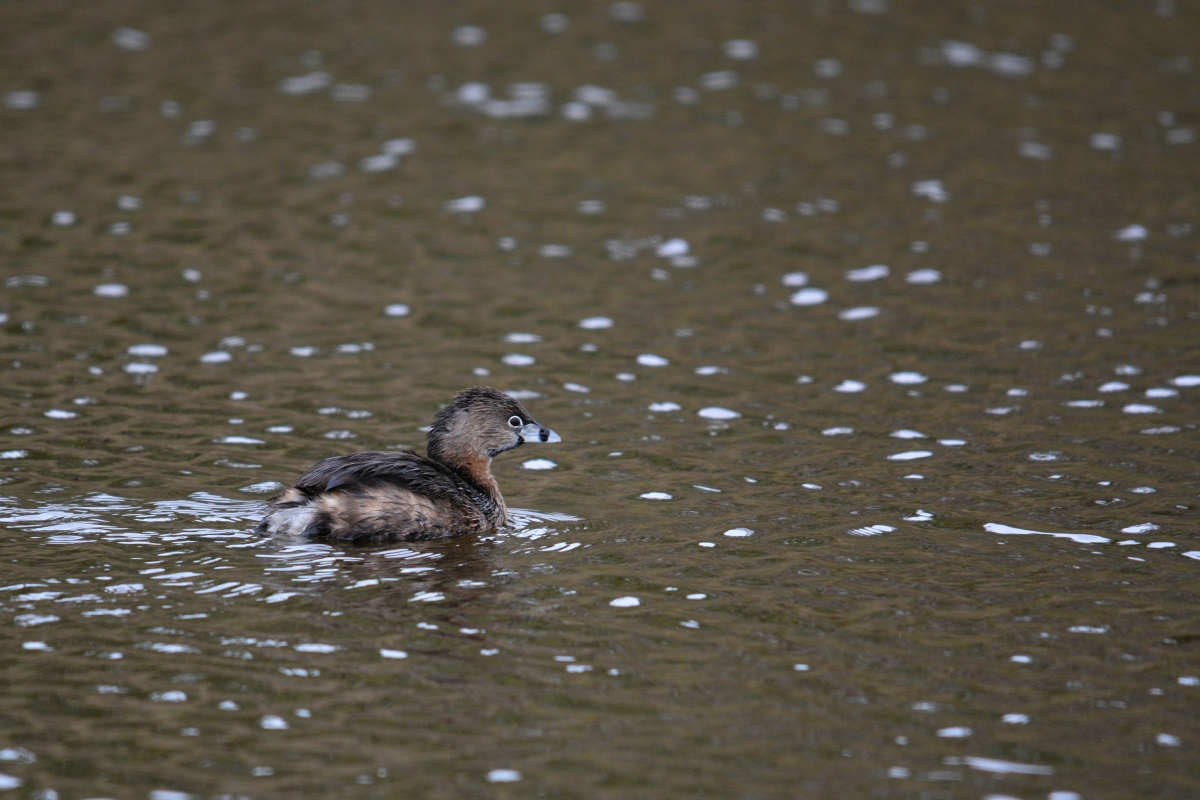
{"type": "Point", "coordinates": [905, 433]}
{"type": "Point", "coordinates": [1186, 380]}
{"type": "Point", "coordinates": [907, 378]}
{"type": "Point", "coordinates": [651, 360]}
{"type": "Point", "coordinates": [13, 454]}
{"type": "Point", "coordinates": [174, 696]}
{"type": "Point", "coordinates": [625, 602]}
{"type": "Point", "coordinates": [871, 530]}
{"type": "Point", "coordinates": [850, 387]}
{"type": "Point", "coordinates": [860, 313]}
{"type": "Point", "coordinates": [303, 351]}
{"type": "Point", "coordinates": [956, 732]}
{"type": "Point", "coordinates": [837, 431]}
{"type": "Point", "coordinates": [147, 350]}
{"type": "Point", "coordinates": [672, 248]}
{"type": "Point", "coordinates": [1141, 408]}
{"type": "Point", "coordinates": [710, 370]}
{"type": "Point", "coordinates": [10, 782]}
{"type": "Point", "coordinates": [111, 290]}
{"type": "Point", "coordinates": [739, 532]}
{"type": "Point", "coordinates": [910, 455]}
{"type": "Point", "coordinates": [1132, 233]}
{"type": "Point", "coordinates": [809, 297]}
{"type": "Point", "coordinates": [665, 407]}
{"type": "Point", "coordinates": [522, 338]}
{"type": "Point", "coordinates": [718, 413]}
{"type": "Point", "coordinates": [1036, 151]}
{"type": "Point", "coordinates": [1113, 386]}
{"type": "Point", "coordinates": [216, 357]}
{"type": "Point", "coordinates": [1085, 403]}
{"type": "Point", "coordinates": [1168, 740]}
{"type": "Point", "coordinates": [931, 190]}
{"type": "Point", "coordinates": [655, 496]}
{"type": "Point", "coordinates": [872, 273]}
{"type": "Point", "coordinates": [273, 722]}
{"type": "Point", "coordinates": [309, 83]}
{"type": "Point", "coordinates": [238, 440]}
{"type": "Point", "coordinates": [58, 413]}
{"type": "Point", "coordinates": [518, 360]}
{"type": "Point", "coordinates": [576, 387]}
{"type": "Point", "coordinates": [63, 219]}
{"type": "Point", "coordinates": [1105, 141]}
{"type": "Point", "coordinates": [595, 323]}
{"type": "Point", "coordinates": [22, 100]}
{"type": "Point", "coordinates": [381, 162]}
{"type": "Point", "coordinates": [795, 279]}
{"type": "Point", "coordinates": [923, 276]}
{"type": "Point", "coordinates": [465, 205]}
{"type": "Point", "coordinates": [960, 54]}
{"type": "Point", "coordinates": [1161, 393]}
{"type": "Point", "coordinates": [131, 39]}
{"type": "Point", "coordinates": [740, 49]}
{"type": "Point", "coordinates": [140, 368]}
{"type": "Point", "coordinates": [539, 464]}
{"type": "Point", "coordinates": [503, 776]}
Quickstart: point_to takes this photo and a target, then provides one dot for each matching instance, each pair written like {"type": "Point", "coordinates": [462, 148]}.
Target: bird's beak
{"type": "Point", "coordinates": [534, 433]}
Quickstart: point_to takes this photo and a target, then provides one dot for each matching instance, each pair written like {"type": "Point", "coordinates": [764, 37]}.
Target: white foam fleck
{"type": "Point", "coordinates": [910, 455]}
{"type": "Point", "coordinates": [1141, 408]}
{"type": "Point", "coordinates": [795, 279]}
{"type": "Point", "coordinates": [739, 532]}
{"type": "Point", "coordinates": [651, 360]}
{"type": "Point", "coordinates": [518, 360]}
{"type": "Point", "coordinates": [147, 350]}
{"type": "Point", "coordinates": [1132, 233]}
{"type": "Point", "coordinates": [57, 413]}
{"type": "Point", "coordinates": [1186, 380]}
{"type": "Point", "coordinates": [503, 776]}
{"type": "Point", "coordinates": [859, 313]}
{"type": "Point", "coordinates": [718, 413]}
{"type": "Point", "coordinates": [998, 766]}
{"type": "Point", "coordinates": [956, 732]}
{"type": "Point", "coordinates": [1161, 393]}
{"type": "Point", "coordinates": [539, 464]}
{"type": "Point", "coordinates": [465, 205]}
{"type": "Point", "coordinates": [239, 440]}
{"type": "Point", "coordinates": [664, 407]}
{"type": "Point", "coordinates": [273, 722]}
{"type": "Point", "coordinates": [625, 602]}
{"type": "Point", "coordinates": [576, 387]}
{"type": "Point", "coordinates": [216, 357]}
{"type": "Point", "coordinates": [595, 323]}
{"type": "Point", "coordinates": [905, 433]}
{"type": "Point", "coordinates": [837, 431]}
{"type": "Point", "coordinates": [923, 277]}
{"type": "Point", "coordinates": [1145, 527]}
{"type": "Point", "coordinates": [13, 454]}
{"type": "Point", "coordinates": [931, 190]}
{"type": "Point", "coordinates": [1083, 538]}
{"type": "Point", "coordinates": [809, 297]}
{"type": "Point", "coordinates": [397, 310]}
{"type": "Point", "coordinates": [672, 248]}
{"type": "Point", "coordinates": [872, 273]}
{"type": "Point", "coordinates": [111, 290]}
{"type": "Point", "coordinates": [655, 496]}
{"type": "Point", "coordinates": [907, 378]}
{"type": "Point", "coordinates": [850, 386]}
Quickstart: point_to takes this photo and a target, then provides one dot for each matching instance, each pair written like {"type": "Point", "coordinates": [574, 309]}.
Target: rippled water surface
{"type": "Point", "coordinates": [871, 328]}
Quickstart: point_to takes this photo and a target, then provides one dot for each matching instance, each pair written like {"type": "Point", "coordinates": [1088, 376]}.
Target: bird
{"type": "Point", "coordinates": [403, 496]}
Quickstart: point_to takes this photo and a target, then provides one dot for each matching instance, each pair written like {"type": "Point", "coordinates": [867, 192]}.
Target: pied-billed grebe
{"type": "Point", "coordinates": [404, 496]}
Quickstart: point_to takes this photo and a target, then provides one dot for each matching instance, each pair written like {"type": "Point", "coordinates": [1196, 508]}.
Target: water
{"type": "Point", "coordinates": [871, 333]}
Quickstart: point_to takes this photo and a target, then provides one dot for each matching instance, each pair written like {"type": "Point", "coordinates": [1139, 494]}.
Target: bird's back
{"type": "Point", "coordinates": [377, 495]}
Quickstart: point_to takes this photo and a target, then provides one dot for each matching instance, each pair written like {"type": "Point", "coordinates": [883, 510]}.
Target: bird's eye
{"type": "Point", "coordinates": [516, 422]}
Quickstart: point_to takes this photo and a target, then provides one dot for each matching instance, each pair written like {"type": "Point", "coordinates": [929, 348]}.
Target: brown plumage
{"type": "Point", "coordinates": [404, 496]}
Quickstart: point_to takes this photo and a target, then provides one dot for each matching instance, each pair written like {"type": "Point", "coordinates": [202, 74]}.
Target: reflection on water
{"type": "Point", "coordinates": [871, 335]}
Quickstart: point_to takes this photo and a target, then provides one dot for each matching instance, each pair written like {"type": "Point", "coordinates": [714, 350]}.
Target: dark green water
{"type": "Point", "coordinates": [872, 331]}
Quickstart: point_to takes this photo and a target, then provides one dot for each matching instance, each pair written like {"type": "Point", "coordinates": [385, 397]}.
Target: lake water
{"type": "Point", "coordinates": [871, 329]}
